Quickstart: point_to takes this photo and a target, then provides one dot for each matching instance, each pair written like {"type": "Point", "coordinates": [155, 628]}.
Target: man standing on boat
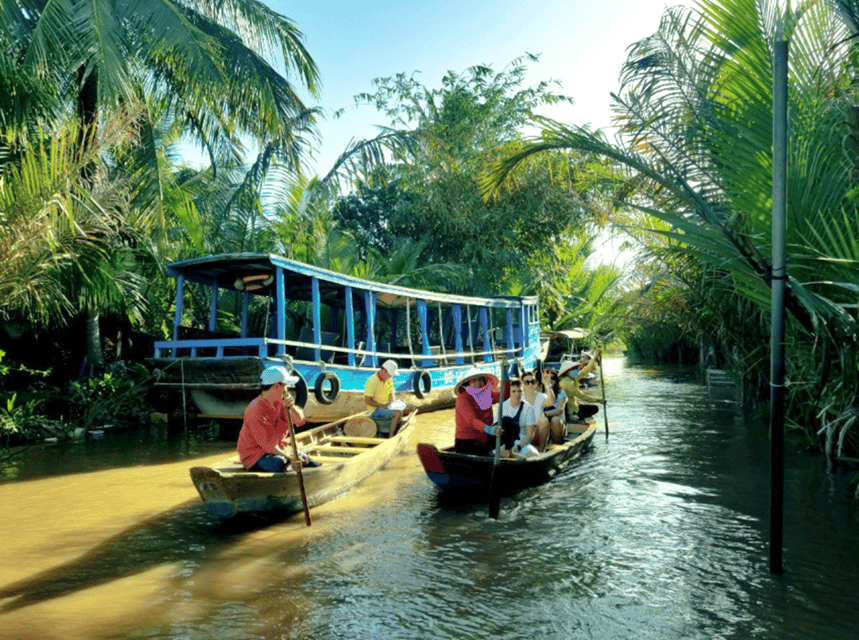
{"type": "Point", "coordinates": [379, 396]}
{"type": "Point", "coordinates": [266, 422]}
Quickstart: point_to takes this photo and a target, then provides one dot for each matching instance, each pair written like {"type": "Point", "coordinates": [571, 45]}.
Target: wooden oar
{"type": "Point", "coordinates": [297, 464]}
{"type": "Point", "coordinates": [494, 498]}
{"type": "Point", "coordinates": [604, 405]}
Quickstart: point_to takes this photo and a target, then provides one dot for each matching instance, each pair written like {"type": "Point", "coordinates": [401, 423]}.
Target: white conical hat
{"type": "Point", "coordinates": [566, 366]}
{"type": "Point", "coordinates": [473, 373]}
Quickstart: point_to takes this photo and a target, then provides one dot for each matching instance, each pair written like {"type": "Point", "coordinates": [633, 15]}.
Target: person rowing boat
{"type": "Point", "coordinates": [475, 393]}
{"type": "Point", "coordinates": [266, 422]}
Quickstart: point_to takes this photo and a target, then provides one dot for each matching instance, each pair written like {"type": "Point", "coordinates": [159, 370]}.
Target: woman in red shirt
{"type": "Point", "coordinates": [265, 422]}
{"type": "Point", "coordinates": [475, 393]}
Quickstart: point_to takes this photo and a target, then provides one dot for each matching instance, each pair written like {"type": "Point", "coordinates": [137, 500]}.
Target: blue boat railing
{"type": "Point", "coordinates": [218, 348]}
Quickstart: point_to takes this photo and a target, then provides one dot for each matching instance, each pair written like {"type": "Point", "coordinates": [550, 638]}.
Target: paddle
{"type": "Point", "coordinates": [494, 498]}
{"type": "Point", "coordinates": [604, 405]}
{"type": "Point", "coordinates": [297, 464]}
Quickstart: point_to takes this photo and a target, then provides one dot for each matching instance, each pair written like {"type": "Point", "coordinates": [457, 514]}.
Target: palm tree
{"type": "Point", "coordinates": [695, 111]}
{"type": "Point", "coordinates": [205, 70]}
{"type": "Point", "coordinates": [204, 62]}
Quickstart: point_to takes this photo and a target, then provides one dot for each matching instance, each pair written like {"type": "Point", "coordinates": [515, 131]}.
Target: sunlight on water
{"type": "Point", "coordinates": [658, 532]}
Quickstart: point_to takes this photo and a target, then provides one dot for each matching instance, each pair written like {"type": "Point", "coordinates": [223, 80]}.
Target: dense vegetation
{"type": "Point", "coordinates": [451, 195]}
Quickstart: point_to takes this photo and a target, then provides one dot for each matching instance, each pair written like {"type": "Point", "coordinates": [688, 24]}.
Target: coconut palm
{"type": "Point", "coordinates": [205, 71]}
{"type": "Point", "coordinates": [695, 111]}
{"type": "Point", "coordinates": [204, 62]}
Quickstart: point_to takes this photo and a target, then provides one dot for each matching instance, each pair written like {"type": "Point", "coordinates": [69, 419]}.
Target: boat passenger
{"type": "Point", "coordinates": [379, 396]}
{"type": "Point", "coordinates": [556, 413]}
{"type": "Point", "coordinates": [265, 422]}
{"type": "Point", "coordinates": [517, 415]}
{"type": "Point", "coordinates": [570, 374]}
{"type": "Point", "coordinates": [533, 393]}
{"type": "Point", "coordinates": [475, 392]}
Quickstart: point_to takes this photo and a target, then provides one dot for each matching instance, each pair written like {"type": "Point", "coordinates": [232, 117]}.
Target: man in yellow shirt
{"type": "Point", "coordinates": [379, 396]}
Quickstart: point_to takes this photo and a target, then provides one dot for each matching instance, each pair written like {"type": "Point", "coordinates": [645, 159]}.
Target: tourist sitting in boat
{"type": "Point", "coordinates": [475, 393]}
{"type": "Point", "coordinates": [266, 422]}
{"type": "Point", "coordinates": [555, 413]}
{"type": "Point", "coordinates": [569, 374]}
{"type": "Point", "coordinates": [533, 393]}
{"type": "Point", "coordinates": [517, 416]}
{"type": "Point", "coordinates": [379, 396]}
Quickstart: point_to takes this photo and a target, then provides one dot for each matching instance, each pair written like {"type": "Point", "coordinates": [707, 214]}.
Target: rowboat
{"type": "Point", "coordinates": [346, 455]}
{"type": "Point", "coordinates": [461, 473]}
{"type": "Point", "coordinates": [332, 331]}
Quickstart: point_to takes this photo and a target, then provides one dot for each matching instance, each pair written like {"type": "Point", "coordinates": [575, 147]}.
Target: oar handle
{"type": "Point", "coordinates": [604, 404]}
{"type": "Point", "coordinates": [298, 466]}
{"type": "Point", "coordinates": [494, 498]}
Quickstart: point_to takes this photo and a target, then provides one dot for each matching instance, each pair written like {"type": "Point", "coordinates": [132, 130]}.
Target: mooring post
{"type": "Point", "coordinates": [779, 277]}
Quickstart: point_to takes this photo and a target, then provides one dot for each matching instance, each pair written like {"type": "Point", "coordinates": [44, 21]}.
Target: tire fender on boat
{"type": "Point", "coordinates": [300, 394]}
{"type": "Point", "coordinates": [422, 383]}
{"type": "Point", "coordinates": [323, 396]}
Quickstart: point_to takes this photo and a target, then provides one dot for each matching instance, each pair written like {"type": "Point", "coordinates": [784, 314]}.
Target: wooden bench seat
{"type": "Point", "coordinates": [326, 449]}
{"type": "Point", "coordinates": [329, 459]}
{"type": "Point", "coordinates": [354, 440]}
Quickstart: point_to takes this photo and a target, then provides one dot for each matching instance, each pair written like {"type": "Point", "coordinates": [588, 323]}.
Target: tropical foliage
{"type": "Point", "coordinates": [695, 108]}
{"type": "Point", "coordinates": [95, 99]}
{"type": "Point", "coordinates": [529, 239]}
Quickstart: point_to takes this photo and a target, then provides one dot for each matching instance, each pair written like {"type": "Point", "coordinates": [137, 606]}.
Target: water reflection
{"type": "Point", "coordinates": [659, 532]}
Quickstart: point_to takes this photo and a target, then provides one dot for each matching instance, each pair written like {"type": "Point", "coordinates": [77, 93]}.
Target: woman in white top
{"type": "Point", "coordinates": [517, 409]}
{"type": "Point", "coordinates": [538, 400]}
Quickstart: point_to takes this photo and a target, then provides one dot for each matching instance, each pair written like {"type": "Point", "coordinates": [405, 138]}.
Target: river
{"type": "Point", "coordinates": [660, 532]}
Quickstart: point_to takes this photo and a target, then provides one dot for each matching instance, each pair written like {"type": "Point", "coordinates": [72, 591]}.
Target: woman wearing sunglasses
{"type": "Point", "coordinates": [533, 394]}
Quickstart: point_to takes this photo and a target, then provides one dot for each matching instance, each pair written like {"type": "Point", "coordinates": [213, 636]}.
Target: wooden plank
{"type": "Point", "coordinates": [323, 449]}
{"type": "Point", "coordinates": [355, 440]}
{"type": "Point", "coordinates": [330, 460]}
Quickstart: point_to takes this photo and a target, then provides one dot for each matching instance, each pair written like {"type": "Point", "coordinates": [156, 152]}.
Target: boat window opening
{"type": "Point", "coordinates": [370, 360]}
{"type": "Point", "coordinates": [349, 323]}
{"type": "Point", "coordinates": [444, 360]}
{"type": "Point", "coordinates": [470, 334]}
{"type": "Point", "coordinates": [205, 318]}
{"type": "Point", "coordinates": [423, 322]}
{"type": "Point", "coordinates": [409, 333]}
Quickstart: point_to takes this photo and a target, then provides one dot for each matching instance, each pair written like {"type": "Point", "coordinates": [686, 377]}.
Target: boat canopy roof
{"type": "Point", "coordinates": [234, 270]}
{"type": "Point", "coordinates": [572, 334]}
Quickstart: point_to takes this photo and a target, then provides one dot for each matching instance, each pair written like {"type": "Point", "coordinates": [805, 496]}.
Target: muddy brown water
{"type": "Point", "coordinates": [659, 532]}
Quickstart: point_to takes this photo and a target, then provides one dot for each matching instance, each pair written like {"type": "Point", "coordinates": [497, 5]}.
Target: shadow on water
{"type": "Point", "coordinates": [183, 534]}
{"type": "Point", "coordinates": [153, 444]}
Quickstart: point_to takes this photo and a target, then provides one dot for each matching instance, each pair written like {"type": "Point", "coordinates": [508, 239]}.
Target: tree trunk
{"type": "Point", "coordinates": [94, 354]}
{"type": "Point", "coordinates": [87, 112]}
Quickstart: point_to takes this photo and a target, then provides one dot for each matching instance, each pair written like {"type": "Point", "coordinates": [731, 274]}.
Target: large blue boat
{"type": "Point", "coordinates": [333, 331]}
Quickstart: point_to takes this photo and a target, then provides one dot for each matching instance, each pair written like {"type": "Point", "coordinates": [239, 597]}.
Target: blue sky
{"type": "Point", "coordinates": [582, 44]}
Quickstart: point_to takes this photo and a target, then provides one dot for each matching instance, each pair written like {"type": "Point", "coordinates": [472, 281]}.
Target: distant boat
{"type": "Point", "coordinates": [469, 474]}
{"type": "Point", "coordinates": [345, 459]}
{"type": "Point", "coordinates": [333, 331]}
{"type": "Point", "coordinates": [567, 344]}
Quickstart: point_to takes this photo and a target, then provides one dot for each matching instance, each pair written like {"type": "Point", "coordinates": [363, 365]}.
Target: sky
{"type": "Point", "coordinates": [581, 43]}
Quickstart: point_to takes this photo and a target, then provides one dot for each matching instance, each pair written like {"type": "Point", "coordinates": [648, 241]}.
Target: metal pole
{"type": "Point", "coordinates": [779, 276]}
